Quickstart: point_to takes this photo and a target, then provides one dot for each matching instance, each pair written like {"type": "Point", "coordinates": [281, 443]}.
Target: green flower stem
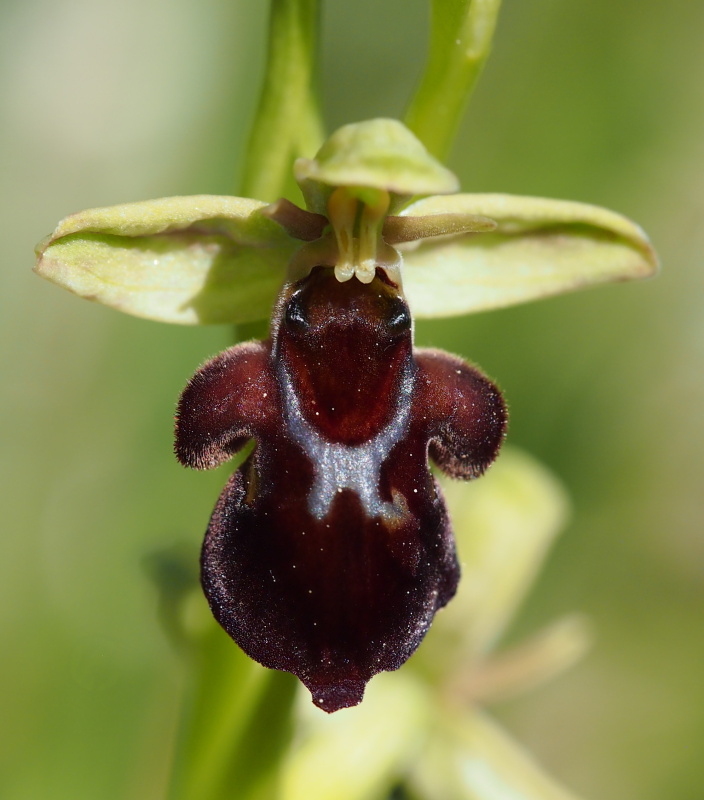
{"type": "Point", "coordinates": [460, 42]}
{"type": "Point", "coordinates": [287, 122]}
{"type": "Point", "coordinates": [238, 718]}
{"type": "Point", "coordinates": [236, 727]}
{"type": "Point", "coordinates": [311, 132]}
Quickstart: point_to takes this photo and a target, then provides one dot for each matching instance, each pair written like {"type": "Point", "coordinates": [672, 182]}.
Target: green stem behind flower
{"type": "Point", "coordinates": [460, 42]}
{"type": "Point", "coordinates": [287, 122]}
{"type": "Point", "coordinates": [238, 719]}
{"type": "Point", "coordinates": [235, 727]}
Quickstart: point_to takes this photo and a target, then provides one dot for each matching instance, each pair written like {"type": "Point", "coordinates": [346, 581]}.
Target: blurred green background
{"type": "Point", "coordinates": [103, 103]}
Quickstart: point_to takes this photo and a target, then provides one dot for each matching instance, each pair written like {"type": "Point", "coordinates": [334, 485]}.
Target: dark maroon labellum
{"type": "Point", "coordinates": [330, 549]}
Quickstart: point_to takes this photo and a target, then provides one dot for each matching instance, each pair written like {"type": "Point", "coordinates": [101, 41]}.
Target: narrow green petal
{"type": "Point", "coordinates": [188, 260]}
{"type": "Point", "coordinates": [504, 525]}
{"type": "Point", "coordinates": [361, 752]}
{"type": "Point", "coordinates": [539, 248]}
{"type": "Point", "coordinates": [471, 758]}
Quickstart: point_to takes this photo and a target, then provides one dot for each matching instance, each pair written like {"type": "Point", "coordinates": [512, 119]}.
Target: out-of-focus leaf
{"type": "Point", "coordinates": [375, 154]}
{"type": "Point", "coordinates": [359, 753]}
{"type": "Point", "coordinates": [540, 248]}
{"type": "Point", "coordinates": [504, 525]}
{"type": "Point", "coordinates": [531, 663]}
{"type": "Point", "coordinates": [470, 758]}
{"type": "Point", "coordinates": [190, 260]}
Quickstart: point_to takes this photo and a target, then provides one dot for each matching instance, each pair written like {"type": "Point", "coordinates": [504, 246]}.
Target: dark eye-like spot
{"type": "Point", "coordinates": [295, 317]}
{"type": "Point", "coordinates": [399, 320]}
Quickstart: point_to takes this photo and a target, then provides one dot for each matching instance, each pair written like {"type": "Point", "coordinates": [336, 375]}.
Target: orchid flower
{"type": "Point", "coordinates": [344, 411]}
{"type": "Point", "coordinates": [332, 546]}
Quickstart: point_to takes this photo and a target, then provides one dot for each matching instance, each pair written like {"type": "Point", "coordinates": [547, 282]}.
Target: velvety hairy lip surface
{"type": "Point", "coordinates": [330, 548]}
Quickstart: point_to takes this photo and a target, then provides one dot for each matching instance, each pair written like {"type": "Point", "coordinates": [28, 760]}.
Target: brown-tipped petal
{"type": "Point", "coordinates": [409, 229]}
{"type": "Point", "coordinates": [465, 413]}
{"type": "Point", "coordinates": [301, 224]}
{"type": "Point", "coordinates": [225, 403]}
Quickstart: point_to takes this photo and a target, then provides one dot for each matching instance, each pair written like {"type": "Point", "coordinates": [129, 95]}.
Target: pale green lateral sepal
{"type": "Point", "coordinates": [359, 754]}
{"type": "Point", "coordinates": [539, 248]}
{"type": "Point", "coordinates": [504, 526]}
{"type": "Point", "coordinates": [469, 757]}
{"type": "Point", "coordinates": [188, 260]}
{"type": "Point", "coordinates": [378, 154]}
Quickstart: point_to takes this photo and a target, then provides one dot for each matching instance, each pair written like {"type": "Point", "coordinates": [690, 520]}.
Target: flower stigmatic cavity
{"type": "Point", "coordinates": [330, 549]}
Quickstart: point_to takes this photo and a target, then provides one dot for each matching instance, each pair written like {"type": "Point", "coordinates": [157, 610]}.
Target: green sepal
{"type": "Point", "coordinates": [189, 260]}
{"type": "Point", "coordinates": [377, 154]}
{"type": "Point", "coordinates": [539, 248]}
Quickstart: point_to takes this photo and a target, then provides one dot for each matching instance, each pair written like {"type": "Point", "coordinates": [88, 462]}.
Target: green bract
{"type": "Point", "coordinates": [206, 259]}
